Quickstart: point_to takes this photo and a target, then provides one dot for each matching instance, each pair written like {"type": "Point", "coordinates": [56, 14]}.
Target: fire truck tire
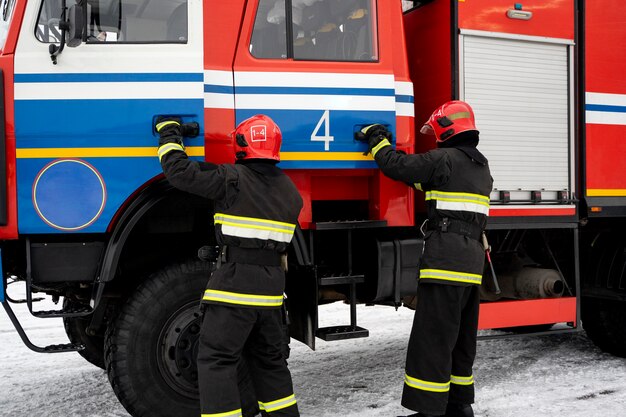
{"type": "Point", "coordinates": [75, 328]}
{"type": "Point", "coordinates": [605, 324]}
{"type": "Point", "coordinates": [151, 346]}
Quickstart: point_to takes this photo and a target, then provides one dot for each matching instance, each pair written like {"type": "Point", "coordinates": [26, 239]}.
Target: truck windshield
{"type": "Point", "coordinates": [7, 7]}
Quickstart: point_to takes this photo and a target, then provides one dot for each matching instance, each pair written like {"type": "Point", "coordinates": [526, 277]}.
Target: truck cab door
{"type": "Point", "coordinates": [321, 70]}
{"type": "Point", "coordinates": [84, 127]}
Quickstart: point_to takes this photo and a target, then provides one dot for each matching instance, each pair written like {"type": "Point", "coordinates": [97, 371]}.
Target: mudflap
{"type": "Point", "coordinates": [398, 267]}
{"type": "Point", "coordinates": [301, 289]}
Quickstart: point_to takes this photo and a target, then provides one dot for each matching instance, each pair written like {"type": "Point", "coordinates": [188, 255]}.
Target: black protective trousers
{"type": "Point", "coordinates": [230, 333]}
{"type": "Point", "coordinates": [442, 348]}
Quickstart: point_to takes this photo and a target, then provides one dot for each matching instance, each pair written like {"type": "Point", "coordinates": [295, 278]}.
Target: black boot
{"type": "Point", "coordinates": [421, 415]}
{"type": "Point", "coordinates": [459, 410]}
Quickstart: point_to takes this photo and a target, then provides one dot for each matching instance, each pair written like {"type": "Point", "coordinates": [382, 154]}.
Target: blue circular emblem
{"type": "Point", "coordinates": [69, 194]}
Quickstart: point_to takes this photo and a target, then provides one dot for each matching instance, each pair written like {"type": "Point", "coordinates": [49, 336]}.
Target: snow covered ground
{"type": "Point", "coordinates": [522, 377]}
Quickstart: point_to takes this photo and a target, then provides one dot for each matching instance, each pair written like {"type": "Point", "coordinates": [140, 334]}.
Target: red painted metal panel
{"type": "Point", "coordinates": [605, 36]}
{"type": "Point", "coordinates": [500, 314]}
{"type": "Point", "coordinates": [222, 21]}
{"type": "Point", "coordinates": [405, 126]}
{"type": "Point", "coordinates": [218, 145]}
{"type": "Point", "coordinates": [302, 180]}
{"type": "Point", "coordinates": [394, 202]}
{"type": "Point", "coordinates": [605, 149]}
{"type": "Point", "coordinates": [550, 18]}
{"type": "Point", "coordinates": [6, 63]}
{"type": "Point", "coordinates": [335, 185]}
{"type": "Point", "coordinates": [10, 230]}
{"type": "Point", "coordinates": [427, 36]}
{"type": "Point", "coordinates": [605, 153]}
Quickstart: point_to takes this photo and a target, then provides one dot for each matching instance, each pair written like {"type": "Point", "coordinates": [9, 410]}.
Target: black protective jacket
{"type": "Point", "coordinates": [256, 212]}
{"type": "Point", "coordinates": [457, 183]}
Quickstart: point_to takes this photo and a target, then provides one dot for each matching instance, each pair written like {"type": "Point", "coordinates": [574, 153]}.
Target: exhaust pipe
{"type": "Point", "coordinates": [526, 283]}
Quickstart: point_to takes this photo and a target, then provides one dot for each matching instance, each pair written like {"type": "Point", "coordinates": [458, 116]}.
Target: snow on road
{"type": "Point", "coordinates": [521, 377]}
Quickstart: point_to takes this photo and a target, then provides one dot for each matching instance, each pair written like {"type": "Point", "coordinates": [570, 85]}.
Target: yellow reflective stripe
{"type": "Point", "coordinates": [462, 206]}
{"type": "Point", "coordinates": [456, 201]}
{"type": "Point", "coordinates": [255, 228]}
{"type": "Point", "coordinates": [278, 404]}
{"type": "Point", "coordinates": [248, 226]}
{"type": "Point", "coordinates": [324, 156]}
{"type": "Point", "coordinates": [166, 123]}
{"type": "Point", "coordinates": [234, 413]}
{"type": "Point", "coordinates": [220, 216]}
{"type": "Point", "coordinates": [256, 233]}
{"type": "Point", "coordinates": [462, 380]}
{"type": "Point", "coordinates": [243, 299]}
{"type": "Point", "coordinates": [606, 192]}
{"type": "Point", "coordinates": [426, 385]}
{"type": "Point", "coordinates": [418, 186]}
{"type": "Point", "coordinates": [381, 145]}
{"type": "Point", "coordinates": [459, 115]}
{"type": "Point", "coordinates": [112, 152]}
{"type": "Point", "coordinates": [450, 276]}
{"type": "Point", "coordinates": [168, 147]}
{"type": "Point", "coordinates": [458, 197]}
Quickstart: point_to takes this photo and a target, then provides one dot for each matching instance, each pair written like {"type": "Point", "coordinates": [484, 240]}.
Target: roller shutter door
{"type": "Point", "coordinates": [520, 93]}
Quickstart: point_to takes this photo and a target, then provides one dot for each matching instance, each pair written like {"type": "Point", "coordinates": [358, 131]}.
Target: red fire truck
{"type": "Point", "coordinates": [87, 218]}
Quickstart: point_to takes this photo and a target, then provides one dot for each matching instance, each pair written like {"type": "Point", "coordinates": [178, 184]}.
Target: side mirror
{"type": "Point", "coordinates": [72, 26]}
{"type": "Point", "coordinates": [76, 25]}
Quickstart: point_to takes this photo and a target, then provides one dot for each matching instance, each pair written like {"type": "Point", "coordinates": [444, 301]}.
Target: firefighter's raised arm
{"type": "Point", "coordinates": [430, 167]}
{"type": "Point", "coordinates": [201, 178]}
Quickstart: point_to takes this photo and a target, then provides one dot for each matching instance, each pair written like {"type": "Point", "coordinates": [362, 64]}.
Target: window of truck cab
{"type": "Point", "coordinates": [120, 21]}
{"type": "Point", "coordinates": [320, 30]}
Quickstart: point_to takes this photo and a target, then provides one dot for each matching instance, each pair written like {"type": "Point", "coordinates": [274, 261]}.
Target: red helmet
{"type": "Point", "coordinates": [257, 138]}
{"type": "Point", "coordinates": [450, 119]}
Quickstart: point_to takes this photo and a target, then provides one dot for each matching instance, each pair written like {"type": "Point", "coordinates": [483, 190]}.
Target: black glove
{"type": "Point", "coordinates": [169, 130]}
{"type": "Point", "coordinates": [190, 130]}
{"type": "Point", "coordinates": [373, 135]}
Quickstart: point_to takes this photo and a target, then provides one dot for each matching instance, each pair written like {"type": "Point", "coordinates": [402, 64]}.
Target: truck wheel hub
{"type": "Point", "coordinates": [178, 349]}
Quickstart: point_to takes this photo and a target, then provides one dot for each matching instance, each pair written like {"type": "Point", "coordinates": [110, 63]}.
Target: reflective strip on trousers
{"type": "Point", "coordinates": [278, 404]}
{"type": "Point", "coordinates": [426, 385]}
{"type": "Point", "coordinates": [243, 299]}
{"type": "Point", "coordinates": [474, 203]}
{"type": "Point", "coordinates": [462, 380]}
{"type": "Point", "coordinates": [168, 147]}
{"type": "Point", "coordinates": [381, 145]}
{"type": "Point", "coordinates": [451, 276]}
{"type": "Point", "coordinates": [250, 227]}
{"type": "Point", "coordinates": [234, 413]}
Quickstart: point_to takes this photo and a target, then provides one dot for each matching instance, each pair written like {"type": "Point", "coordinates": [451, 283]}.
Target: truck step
{"type": "Point", "coordinates": [72, 312]}
{"type": "Point", "coordinates": [341, 279]}
{"type": "Point", "coordinates": [67, 347]}
{"type": "Point", "coordinates": [349, 224]}
{"type": "Point", "coordinates": [334, 333]}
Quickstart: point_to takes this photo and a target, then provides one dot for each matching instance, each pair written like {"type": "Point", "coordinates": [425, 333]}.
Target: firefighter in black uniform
{"type": "Point", "coordinates": [457, 182]}
{"type": "Point", "coordinates": [256, 210]}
